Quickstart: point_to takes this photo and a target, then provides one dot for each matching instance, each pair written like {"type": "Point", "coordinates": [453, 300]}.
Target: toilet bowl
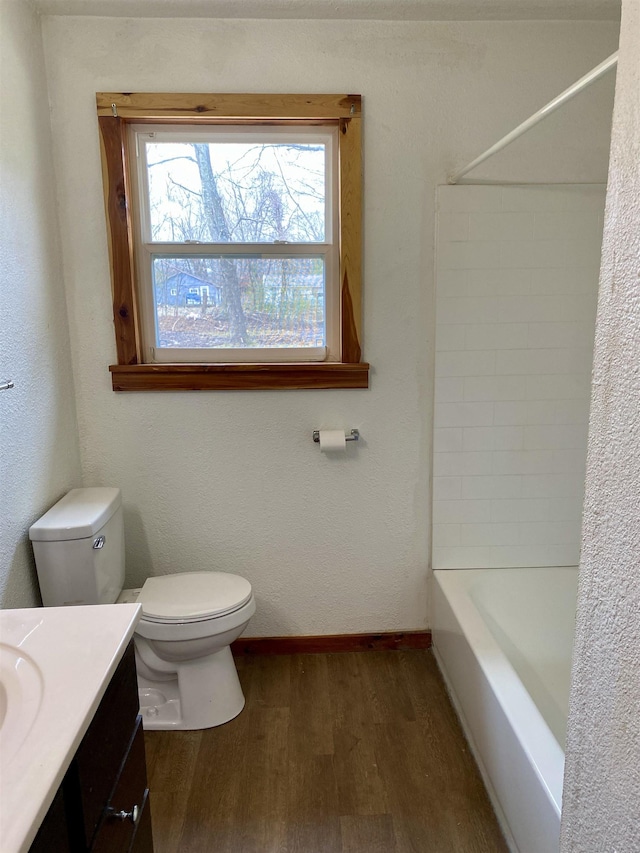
{"type": "Point", "coordinates": [182, 645]}
{"type": "Point", "coordinates": [187, 678]}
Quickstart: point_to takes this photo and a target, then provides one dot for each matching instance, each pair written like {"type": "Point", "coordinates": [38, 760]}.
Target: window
{"type": "Point", "coordinates": [248, 214]}
{"type": "Point", "coordinates": [234, 231]}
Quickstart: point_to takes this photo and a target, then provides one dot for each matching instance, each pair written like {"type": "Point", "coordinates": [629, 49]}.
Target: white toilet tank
{"type": "Point", "coordinates": [79, 548]}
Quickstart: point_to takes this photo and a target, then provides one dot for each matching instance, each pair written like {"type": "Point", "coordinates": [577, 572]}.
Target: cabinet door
{"type": "Point", "coordinates": [104, 747]}
{"type": "Point", "coordinates": [127, 805]}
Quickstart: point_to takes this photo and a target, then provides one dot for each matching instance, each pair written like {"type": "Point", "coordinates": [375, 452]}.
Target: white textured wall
{"type": "Point", "coordinates": [602, 776]}
{"type": "Point", "coordinates": [517, 286]}
{"type": "Point", "coordinates": [39, 458]}
{"type": "Point", "coordinates": [232, 480]}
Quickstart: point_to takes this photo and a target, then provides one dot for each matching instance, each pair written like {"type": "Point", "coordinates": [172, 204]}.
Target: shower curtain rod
{"type": "Point", "coordinates": [593, 75]}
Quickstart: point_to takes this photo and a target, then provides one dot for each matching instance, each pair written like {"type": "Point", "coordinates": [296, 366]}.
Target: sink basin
{"type": "Point", "coordinates": [21, 688]}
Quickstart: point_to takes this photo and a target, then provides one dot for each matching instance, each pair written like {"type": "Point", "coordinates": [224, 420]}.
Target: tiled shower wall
{"type": "Point", "coordinates": [517, 281]}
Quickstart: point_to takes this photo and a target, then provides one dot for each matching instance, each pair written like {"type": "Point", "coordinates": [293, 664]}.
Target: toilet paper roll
{"type": "Point", "coordinates": [332, 441]}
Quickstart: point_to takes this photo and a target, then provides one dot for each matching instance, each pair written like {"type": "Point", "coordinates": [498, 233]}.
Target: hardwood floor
{"type": "Point", "coordinates": [334, 753]}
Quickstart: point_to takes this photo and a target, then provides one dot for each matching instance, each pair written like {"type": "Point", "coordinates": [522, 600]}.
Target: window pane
{"type": "Point", "coordinates": [205, 302]}
{"type": "Point", "coordinates": [237, 192]}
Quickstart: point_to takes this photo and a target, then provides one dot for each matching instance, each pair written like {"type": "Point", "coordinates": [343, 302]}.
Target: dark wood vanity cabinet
{"type": "Point", "coordinates": [102, 805]}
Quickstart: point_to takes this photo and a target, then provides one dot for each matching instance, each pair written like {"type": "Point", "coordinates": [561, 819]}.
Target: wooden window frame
{"type": "Point", "coordinates": [115, 111]}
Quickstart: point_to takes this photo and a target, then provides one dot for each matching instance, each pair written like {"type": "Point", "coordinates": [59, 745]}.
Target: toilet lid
{"type": "Point", "coordinates": [192, 596]}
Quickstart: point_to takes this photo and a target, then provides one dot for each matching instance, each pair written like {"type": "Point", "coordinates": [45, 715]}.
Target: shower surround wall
{"type": "Point", "coordinates": [517, 280]}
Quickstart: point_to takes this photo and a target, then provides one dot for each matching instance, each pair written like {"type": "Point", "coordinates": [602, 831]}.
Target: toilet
{"type": "Point", "coordinates": [187, 678]}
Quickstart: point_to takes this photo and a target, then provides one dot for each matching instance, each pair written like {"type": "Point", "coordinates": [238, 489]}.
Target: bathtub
{"type": "Point", "coordinates": [503, 639]}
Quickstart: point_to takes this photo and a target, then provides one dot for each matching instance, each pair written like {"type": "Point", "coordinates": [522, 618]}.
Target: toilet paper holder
{"type": "Point", "coordinates": [353, 435]}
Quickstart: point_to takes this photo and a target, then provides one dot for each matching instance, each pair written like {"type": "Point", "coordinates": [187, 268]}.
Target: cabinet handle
{"type": "Point", "coordinates": [122, 815]}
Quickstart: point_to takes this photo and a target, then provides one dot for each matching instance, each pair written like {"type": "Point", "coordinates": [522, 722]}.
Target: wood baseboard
{"type": "Point", "coordinates": [398, 640]}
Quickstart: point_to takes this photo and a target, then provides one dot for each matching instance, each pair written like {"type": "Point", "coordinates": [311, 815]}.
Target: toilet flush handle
{"type": "Point", "coordinates": [99, 543]}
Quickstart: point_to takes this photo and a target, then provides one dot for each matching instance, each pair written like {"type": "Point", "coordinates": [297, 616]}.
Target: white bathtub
{"type": "Point", "coordinates": [503, 639]}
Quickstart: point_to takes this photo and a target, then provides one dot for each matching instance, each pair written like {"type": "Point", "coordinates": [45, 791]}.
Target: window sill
{"type": "Point", "coordinates": [238, 377]}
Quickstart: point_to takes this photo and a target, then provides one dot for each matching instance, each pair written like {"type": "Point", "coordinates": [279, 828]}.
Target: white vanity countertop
{"type": "Point", "coordinates": [55, 663]}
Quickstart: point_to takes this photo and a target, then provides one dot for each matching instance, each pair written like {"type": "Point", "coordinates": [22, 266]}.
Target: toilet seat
{"type": "Point", "coordinates": [192, 597]}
